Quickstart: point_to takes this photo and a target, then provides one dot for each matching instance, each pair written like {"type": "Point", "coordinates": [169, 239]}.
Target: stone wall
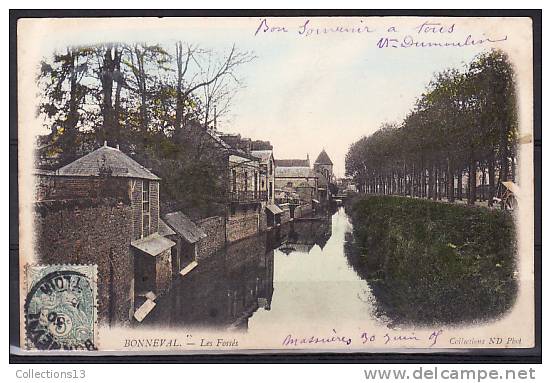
{"type": "Point", "coordinates": [286, 215]}
{"type": "Point", "coordinates": [53, 187]}
{"type": "Point", "coordinates": [215, 228]}
{"type": "Point", "coordinates": [246, 254]}
{"type": "Point", "coordinates": [262, 218]}
{"type": "Point", "coordinates": [91, 231]}
{"type": "Point", "coordinates": [305, 194]}
{"type": "Point", "coordinates": [242, 224]}
{"type": "Point", "coordinates": [303, 210]}
{"type": "Point", "coordinates": [57, 188]}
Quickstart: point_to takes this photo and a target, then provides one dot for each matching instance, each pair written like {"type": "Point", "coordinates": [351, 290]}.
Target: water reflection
{"type": "Point", "coordinates": [222, 291]}
{"type": "Point", "coordinates": [230, 288]}
{"type": "Point", "coordinates": [314, 285]}
{"type": "Point", "coordinates": [303, 235]}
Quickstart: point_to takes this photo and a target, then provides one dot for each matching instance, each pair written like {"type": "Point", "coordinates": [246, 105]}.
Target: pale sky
{"type": "Point", "coordinates": [304, 93]}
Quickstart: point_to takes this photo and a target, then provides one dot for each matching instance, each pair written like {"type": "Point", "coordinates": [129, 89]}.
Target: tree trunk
{"type": "Point", "coordinates": [117, 108]}
{"type": "Point", "coordinates": [472, 182]}
{"type": "Point", "coordinates": [179, 80]}
{"type": "Point", "coordinates": [404, 180]}
{"type": "Point", "coordinates": [450, 191]}
{"type": "Point", "coordinates": [460, 185]}
{"type": "Point", "coordinates": [503, 157]}
{"type": "Point", "coordinates": [423, 182]}
{"type": "Point", "coordinates": [141, 80]}
{"type": "Point", "coordinates": [111, 60]}
{"type": "Point", "coordinates": [70, 133]}
{"type": "Point", "coordinates": [107, 91]}
{"type": "Point", "coordinates": [483, 183]}
{"type": "Point", "coordinates": [431, 182]}
{"type": "Point", "coordinates": [440, 183]}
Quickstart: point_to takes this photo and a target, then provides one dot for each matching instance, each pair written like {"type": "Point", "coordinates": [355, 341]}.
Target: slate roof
{"type": "Point", "coordinates": [164, 229]}
{"type": "Point", "coordinates": [242, 154]}
{"type": "Point", "coordinates": [274, 209]}
{"type": "Point", "coordinates": [108, 158]}
{"type": "Point", "coordinates": [153, 244]}
{"type": "Point", "coordinates": [218, 140]}
{"type": "Point", "coordinates": [264, 155]}
{"type": "Point", "coordinates": [227, 148]}
{"type": "Point", "coordinates": [323, 159]}
{"type": "Point", "coordinates": [43, 172]}
{"type": "Point", "coordinates": [184, 226]}
{"type": "Point", "coordinates": [293, 163]}
{"type": "Point", "coordinates": [294, 172]}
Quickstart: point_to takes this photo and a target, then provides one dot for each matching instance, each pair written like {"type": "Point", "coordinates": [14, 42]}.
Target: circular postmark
{"type": "Point", "coordinates": [59, 312]}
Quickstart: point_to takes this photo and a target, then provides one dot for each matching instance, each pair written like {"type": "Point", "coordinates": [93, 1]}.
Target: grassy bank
{"type": "Point", "coordinates": [434, 263]}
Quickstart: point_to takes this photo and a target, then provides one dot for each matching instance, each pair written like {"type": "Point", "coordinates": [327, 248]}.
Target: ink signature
{"type": "Point", "coordinates": [397, 338]}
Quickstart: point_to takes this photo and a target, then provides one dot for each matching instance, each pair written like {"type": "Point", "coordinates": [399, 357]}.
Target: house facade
{"type": "Point", "coordinates": [247, 195]}
{"type": "Point", "coordinates": [271, 213]}
{"type": "Point", "coordinates": [244, 196]}
{"type": "Point", "coordinates": [267, 172]}
{"type": "Point", "coordinates": [296, 181]}
{"type": "Point", "coordinates": [296, 185]}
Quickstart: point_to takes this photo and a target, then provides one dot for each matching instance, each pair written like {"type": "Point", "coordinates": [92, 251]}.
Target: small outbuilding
{"type": "Point", "coordinates": [187, 235]}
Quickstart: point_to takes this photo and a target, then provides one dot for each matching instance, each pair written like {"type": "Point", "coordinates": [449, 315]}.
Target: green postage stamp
{"type": "Point", "coordinates": [61, 307]}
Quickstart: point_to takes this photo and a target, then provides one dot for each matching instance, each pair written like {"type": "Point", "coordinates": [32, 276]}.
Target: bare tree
{"type": "Point", "coordinates": [217, 96]}
{"type": "Point", "coordinates": [141, 56]}
{"type": "Point", "coordinates": [208, 73]}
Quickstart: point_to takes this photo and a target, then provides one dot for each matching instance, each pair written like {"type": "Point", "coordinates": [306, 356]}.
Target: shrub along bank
{"type": "Point", "coordinates": [434, 263]}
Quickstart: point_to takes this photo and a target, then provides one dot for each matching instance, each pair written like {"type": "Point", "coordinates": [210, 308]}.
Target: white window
{"type": "Point", "coordinates": [146, 209]}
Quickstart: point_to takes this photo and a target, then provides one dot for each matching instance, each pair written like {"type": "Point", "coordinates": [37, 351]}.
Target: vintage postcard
{"type": "Point", "coordinates": [275, 184]}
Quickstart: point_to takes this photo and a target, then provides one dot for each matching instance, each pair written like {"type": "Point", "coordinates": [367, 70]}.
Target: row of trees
{"type": "Point", "coordinates": [151, 100]}
{"type": "Point", "coordinates": [458, 141]}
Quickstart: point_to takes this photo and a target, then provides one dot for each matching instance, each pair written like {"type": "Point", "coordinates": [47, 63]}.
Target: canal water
{"type": "Point", "coordinates": [313, 282]}
{"type": "Point", "coordinates": [297, 273]}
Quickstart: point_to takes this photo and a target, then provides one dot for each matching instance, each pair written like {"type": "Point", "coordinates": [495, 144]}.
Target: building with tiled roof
{"type": "Point", "coordinates": [263, 155]}
{"type": "Point", "coordinates": [267, 172]}
{"type": "Point", "coordinates": [251, 186]}
{"type": "Point", "coordinates": [294, 172]}
{"type": "Point", "coordinates": [299, 179]}
{"type": "Point", "coordinates": [106, 160]}
{"type": "Point", "coordinates": [293, 163]}
{"type": "Point", "coordinates": [112, 220]}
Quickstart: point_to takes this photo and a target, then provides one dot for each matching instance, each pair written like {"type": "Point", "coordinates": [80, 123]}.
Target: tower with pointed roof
{"type": "Point", "coordinates": [324, 165]}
